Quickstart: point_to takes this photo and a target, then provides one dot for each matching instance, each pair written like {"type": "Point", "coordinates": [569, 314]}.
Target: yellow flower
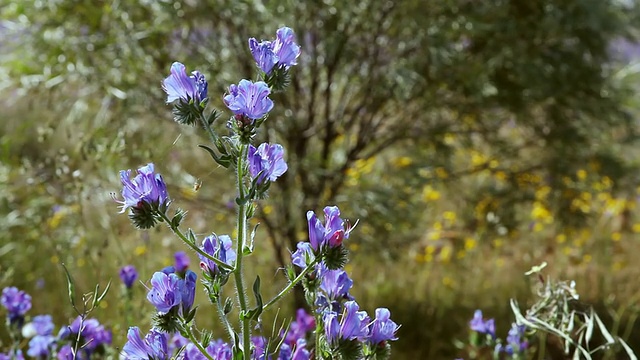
{"type": "Point", "coordinates": [469, 243]}
{"type": "Point", "coordinates": [140, 250]}
{"type": "Point", "coordinates": [430, 194]}
{"type": "Point", "coordinates": [402, 161]}
{"type": "Point", "coordinates": [581, 174]}
{"type": "Point", "coordinates": [449, 216]}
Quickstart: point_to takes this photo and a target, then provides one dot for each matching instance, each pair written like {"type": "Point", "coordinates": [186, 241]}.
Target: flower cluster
{"type": "Point", "coordinates": [85, 335]}
{"type": "Point", "coordinates": [171, 291]}
{"type": "Point", "coordinates": [325, 240]}
{"type": "Point", "coordinates": [145, 195]}
{"type": "Point", "coordinates": [266, 162]}
{"type": "Point", "coordinates": [219, 247]}
{"type": "Point", "coordinates": [180, 86]}
{"type": "Point", "coordinates": [280, 53]}
{"type": "Point", "coordinates": [16, 302]}
{"type": "Point", "coordinates": [338, 326]}
{"type": "Point", "coordinates": [348, 331]}
{"type": "Point", "coordinates": [514, 346]}
{"type": "Point", "coordinates": [160, 345]}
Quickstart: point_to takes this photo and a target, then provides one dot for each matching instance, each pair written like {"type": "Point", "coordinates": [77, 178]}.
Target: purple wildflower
{"type": "Point", "coordinates": [128, 275]}
{"type": "Point", "coordinates": [17, 302]}
{"type": "Point", "coordinates": [480, 325]}
{"type": "Point", "coordinates": [334, 287]}
{"type": "Point", "coordinates": [12, 356]}
{"type": "Point", "coordinates": [303, 256]}
{"type": "Point", "coordinates": [219, 247]}
{"type": "Point", "coordinates": [249, 99]}
{"type": "Point", "coordinates": [180, 86]}
{"type": "Point", "coordinates": [280, 53]}
{"type": "Point", "coordinates": [182, 261]}
{"type": "Point", "coordinates": [515, 338]}
{"type": "Point", "coordinates": [299, 328]}
{"type": "Point", "coordinates": [219, 350]}
{"type": "Point", "coordinates": [40, 346]}
{"type": "Point", "coordinates": [331, 234]}
{"type": "Point", "coordinates": [153, 346]}
{"type": "Point", "coordinates": [382, 328]}
{"type": "Point", "coordinates": [65, 353]}
{"type": "Point", "coordinates": [165, 291]}
{"type": "Point", "coordinates": [39, 325]}
{"type": "Point", "coordinates": [188, 290]}
{"type": "Point", "coordinates": [263, 54]}
{"type": "Point", "coordinates": [352, 325]}
{"type": "Point", "coordinates": [300, 352]}
{"type": "Point", "coordinates": [260, 351]}
{"type": "Point", "coordinates": [267, 162]}
{"type": "Point", "coordinates": [147, 187]}
{"type": "Point", "coordinates": [285, 47]}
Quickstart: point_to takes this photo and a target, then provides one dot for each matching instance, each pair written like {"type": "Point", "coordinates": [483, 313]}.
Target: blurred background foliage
{"type": "Point", "coordinates": [472, 140]}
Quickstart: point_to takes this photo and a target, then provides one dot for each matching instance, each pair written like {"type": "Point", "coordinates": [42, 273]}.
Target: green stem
{"type": "Point", "coordinates": [318, 331]}
{"type": "Point", "coordinates": [290, 286]}
{"type": "Point", "coordinates": [197, 343]}
{"type": "Point", "coordinates": [225, 320]}
{"type": "Point", "coordinates": [212, 135]}
{"type": "Point", "coordinates": [193, 246]}
{"type": "Point", "coordinates": [242, 234]}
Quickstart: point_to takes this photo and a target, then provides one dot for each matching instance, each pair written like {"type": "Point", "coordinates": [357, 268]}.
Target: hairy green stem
{"type": "Point", "coordinates": [290, 286]}
{"type": "Point", "coordinates": [225, 320]}
{"type": "Point", "coordinates": [242, 234]}
{"type": "Point", "coordinates": [212, 135]}
{"type": "Point", "coordinates": [193, 246]}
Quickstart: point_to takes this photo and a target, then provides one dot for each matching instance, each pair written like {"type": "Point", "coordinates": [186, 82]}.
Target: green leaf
{"type": "Point", "coordinates": [70, 286]}
{"type": "Point", "coordinates": [222, 161]}
{"type": "Point", "coordinates": [97, 300]}
{"type": "Point", "coordinates": [632, 355]}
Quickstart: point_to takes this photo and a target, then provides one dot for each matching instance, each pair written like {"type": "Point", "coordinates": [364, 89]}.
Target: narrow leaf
{"type": "Point", "coordinates": [71, 287]}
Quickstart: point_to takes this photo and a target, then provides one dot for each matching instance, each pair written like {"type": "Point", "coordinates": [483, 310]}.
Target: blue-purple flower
{"type": "Point", "coordinates": [263, 54]}
{"type": "Point", "coordinates": [153, 346]}
{"type": "Point", "coordinates": [515, 339]}
{"type": "Point", "coordinates": [128, 275]}
{"type": "Point", "coordinates": [219, 350]}
{"type": "Point", "coordinates": [351, 325]}
{"type": "Point", "coordinates": [165, 292]}
{"type": "Point", "coordinates": [334, 287]}
{"type": "Point", "coordinates": [331, 234]}
{"type": "Point", "coordinates": [17, 302]}
{"type": "Point", "coordinates": [66, 353]}
{"type": "Point", "coordinates": [40, 346]}
{"type": "Point", "coordinates": [283, 52]}
{"type": "Point", "coordinates": [39, 325]}
{"type": "Point", "coordinates": [479, 325]}
{"type": "Point", "coordinates": [219, 247]}
{"type": "Point", "coordinates": [188, 290]}
{"type": "Point", "coordinates": [180, 86]}
{"type": "Point", "coordinates": [146, 187]}
{"type": "Point", "coordinates": [285, 47]}
{"type": "Point", "coordinates": [382, 328]}
{"type": "Point", "coordinates": [92, 333]}
{"type": "Point", "coordinates": [266, 162]}
{"type": "Point", "coordinates": [249, 99]}
{"type": "Point", "coordinates": [299, 328]}
{"type": "Point", "coordinates": [303, 256]}
{"type": "Point", "coordinates": [182, 261]}
{"type": "Point", "coordinates": [12, 356]}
